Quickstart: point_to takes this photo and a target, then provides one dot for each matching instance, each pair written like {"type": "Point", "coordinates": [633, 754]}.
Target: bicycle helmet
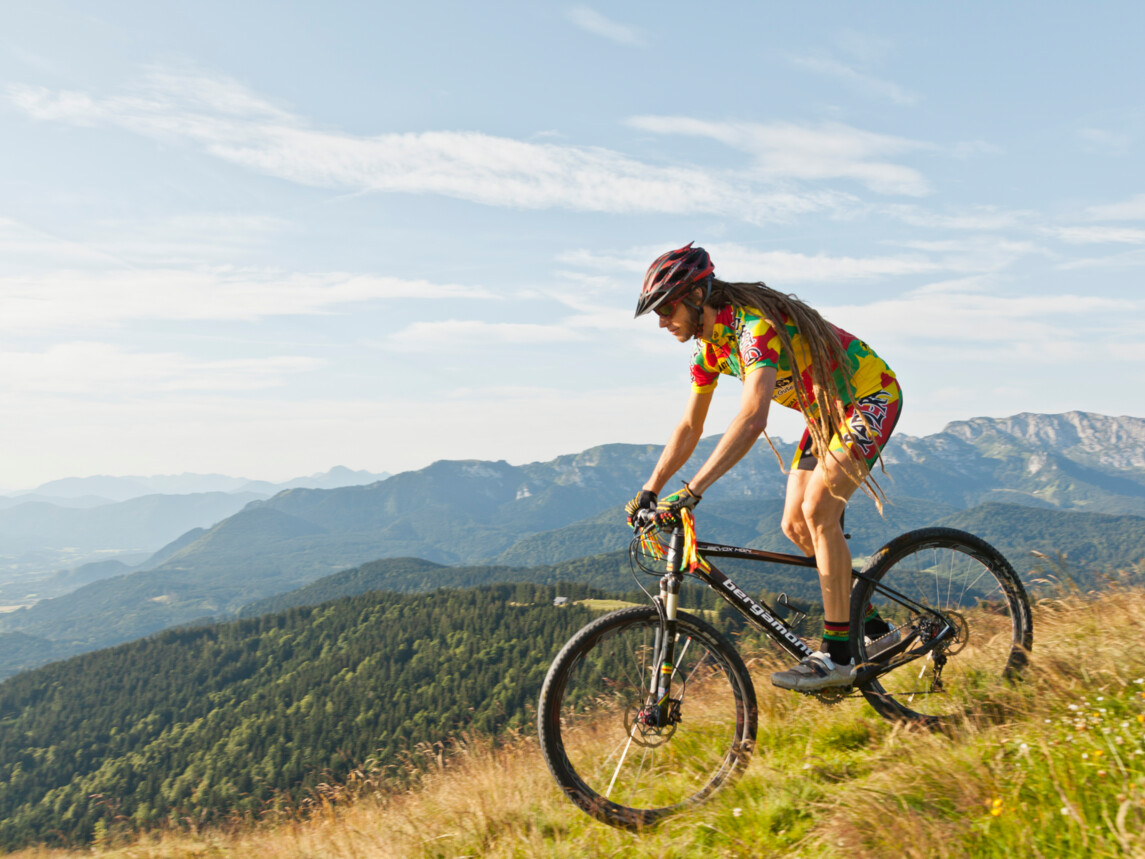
{"type": "Point", "coordinates": [673, 274]}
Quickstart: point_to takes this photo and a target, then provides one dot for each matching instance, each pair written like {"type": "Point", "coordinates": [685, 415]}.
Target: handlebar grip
{"type": "Point", "coordinates": [644, 518]}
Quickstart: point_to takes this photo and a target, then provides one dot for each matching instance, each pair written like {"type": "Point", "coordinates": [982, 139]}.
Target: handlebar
{"type": "Point", "coordinates": [644, 519]}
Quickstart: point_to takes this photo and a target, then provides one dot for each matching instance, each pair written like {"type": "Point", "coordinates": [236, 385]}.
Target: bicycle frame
{"type": "Point", "coordinates": [761, 615]}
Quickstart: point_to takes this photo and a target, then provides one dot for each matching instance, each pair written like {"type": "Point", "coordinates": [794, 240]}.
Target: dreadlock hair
{"type": "Point", "coordinates": [823, 407]}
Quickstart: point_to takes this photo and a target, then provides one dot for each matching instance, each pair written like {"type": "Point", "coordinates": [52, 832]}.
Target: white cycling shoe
{"type": "Point", "coordinates": [817, 671]}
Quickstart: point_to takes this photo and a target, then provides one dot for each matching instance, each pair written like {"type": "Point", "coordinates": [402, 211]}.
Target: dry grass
{"type": "Point", "coordinates": [1025, 776]}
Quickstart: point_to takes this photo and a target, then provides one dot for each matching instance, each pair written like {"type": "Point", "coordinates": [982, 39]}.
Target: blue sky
{"type": "Point", "coordinates": [267, 238]}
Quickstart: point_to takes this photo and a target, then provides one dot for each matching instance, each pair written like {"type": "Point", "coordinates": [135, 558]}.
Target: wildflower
{"type": "Point", "coordinates": [1100, 697]}
{"type": "Point", "coordinates": [1101, 773]}
{"type": "Point", "coordinates": [1073, 706]}
{"type": "Point", "coordinates": [736, 812]}
{"type": "Point", "coordinates": [1141, 717]}
{"type": "Point", "coordinates": [1098, 753]}
{"type": "Point", "coordinates": [1139, 680]}
{"type": "Point", "coordinates": [1085, 756]}
{"type": "Point", "coordinates": [1065, 810]}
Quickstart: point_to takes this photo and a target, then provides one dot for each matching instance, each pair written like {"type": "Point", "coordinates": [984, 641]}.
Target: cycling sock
{"type": "Point", "coordinates": [837, 641]}
{"type": "Point", "coordinates": [873, 625]}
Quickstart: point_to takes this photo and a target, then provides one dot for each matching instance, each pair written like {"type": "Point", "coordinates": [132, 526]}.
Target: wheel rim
{"type": "Point", "coordinates": [630, 768]}
{"type": "Point", "coordinates": [974, 592]}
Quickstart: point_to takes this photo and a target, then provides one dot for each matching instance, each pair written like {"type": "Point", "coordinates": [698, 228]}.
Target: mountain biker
{"type": "Point", "coordinates": [782, 350]}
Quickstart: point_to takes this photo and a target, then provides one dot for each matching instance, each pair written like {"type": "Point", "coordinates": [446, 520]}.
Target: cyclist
{"type": "Point", "coordinates": [781, 350]}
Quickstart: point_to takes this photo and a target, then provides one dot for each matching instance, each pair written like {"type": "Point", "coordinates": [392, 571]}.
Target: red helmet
{"type": "Point", "coordinates": [673, 274]}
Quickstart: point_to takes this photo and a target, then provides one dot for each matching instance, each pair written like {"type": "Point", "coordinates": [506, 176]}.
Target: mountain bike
{"type": "Point", "coordinates": [649, 709]}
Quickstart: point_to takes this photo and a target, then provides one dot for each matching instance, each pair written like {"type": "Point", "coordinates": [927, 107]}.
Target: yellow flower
{"type": "Point", "coordinates": [995, 812]}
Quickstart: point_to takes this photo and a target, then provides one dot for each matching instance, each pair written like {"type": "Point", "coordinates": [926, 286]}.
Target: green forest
{"type": "Point", "coordinates": [211, 722]}
{"type": "Point", "coordinates": [203, 724]}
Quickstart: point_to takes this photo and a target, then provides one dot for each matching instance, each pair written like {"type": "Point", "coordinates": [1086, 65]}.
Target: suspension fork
{"type": "Point", "coordinates": [660, 684]}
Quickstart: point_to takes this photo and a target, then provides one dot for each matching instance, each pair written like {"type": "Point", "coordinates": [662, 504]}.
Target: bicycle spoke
{"type": "Point", "coordinates": [682, 756]}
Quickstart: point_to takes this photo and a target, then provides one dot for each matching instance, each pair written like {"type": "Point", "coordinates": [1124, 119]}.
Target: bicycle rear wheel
{"type": "Point", "coordinates": [605, 757]}
{"type": "Point", "coordinates": [969, 583]}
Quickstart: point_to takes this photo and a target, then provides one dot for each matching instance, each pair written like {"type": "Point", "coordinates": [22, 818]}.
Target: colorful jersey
{"type": "Point", "coordinates": [744, 340]}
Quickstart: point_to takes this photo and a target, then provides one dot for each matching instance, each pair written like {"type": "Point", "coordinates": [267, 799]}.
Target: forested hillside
{"type": "Point", "coordinates": [214, 721]}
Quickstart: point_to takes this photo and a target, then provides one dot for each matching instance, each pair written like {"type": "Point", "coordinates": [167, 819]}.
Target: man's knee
{"type": "Point", "coordinates": [793, 528]}
{"type": "Point", "coordinates": [820, 514]}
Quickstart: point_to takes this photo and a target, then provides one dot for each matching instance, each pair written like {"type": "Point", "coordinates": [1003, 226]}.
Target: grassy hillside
{"type": "Point", "coordinates": [1056, 768]}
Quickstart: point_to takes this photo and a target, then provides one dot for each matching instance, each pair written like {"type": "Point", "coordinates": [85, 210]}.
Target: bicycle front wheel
{"type": "Point", "coordinates": [967, 583]}
{"type": "Point", "coordinates": [594, 726]}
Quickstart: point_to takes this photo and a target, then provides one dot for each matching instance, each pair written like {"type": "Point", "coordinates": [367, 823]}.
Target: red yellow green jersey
{"type": "Point", "coordinates": [743, 340]}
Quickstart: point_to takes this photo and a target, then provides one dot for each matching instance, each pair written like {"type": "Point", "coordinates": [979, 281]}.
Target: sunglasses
{"type": "Point", "coordinates": [666, 310]}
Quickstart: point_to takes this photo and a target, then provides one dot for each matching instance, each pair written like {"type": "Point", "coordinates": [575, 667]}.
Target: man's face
{"type": "Point", "coordinates": [681, 322]}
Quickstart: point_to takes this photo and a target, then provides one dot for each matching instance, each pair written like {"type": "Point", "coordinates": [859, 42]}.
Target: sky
{"type": "Point", "coordinates": [264, 239]}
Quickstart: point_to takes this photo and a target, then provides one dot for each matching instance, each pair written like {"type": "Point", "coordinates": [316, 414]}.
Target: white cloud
{"type": "Point", "coordinates": [100, 371]}
{"type": "Point", "coordinates": [984, 218]}
{"type": "Point", "coordinates": [975, 322]}
{"type": "Point", "coordinates": [784, 150]}
{"type": "Point", "coordinates": [593, 22]}
{"type": "Point", "coordinates": [1101, 235]}
{"type": "Point", "coordinates": [475, 333]}
{"type": "Point", "coordinates": [777, 268]}
{"type": "Point", "coordinates": [1126, 259]}
{"type": "Point", "coordinates": [179, 239]}
{"type": "Point", "coordinates": [1132, 209]}
{"type": "Point", "coordinates": [1098, 141]}
{"type": "Point", "coordinates": [235, 125]}
{"type": "Point", "coordinates": [859, 81]}
{"type": "Point", "coordinates": [76, 299]}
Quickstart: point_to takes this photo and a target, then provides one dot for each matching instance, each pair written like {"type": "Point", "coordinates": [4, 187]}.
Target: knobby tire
{"type": "Point", "coordinates": [609, 763]}
{"type": "Point", "coordinates": [966, 579]}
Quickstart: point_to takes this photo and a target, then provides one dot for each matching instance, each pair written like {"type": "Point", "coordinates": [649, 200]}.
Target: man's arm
{"type": "Point", "coordinates": [683, 441]}
{"type": "Point", "coordinates": [745, 428]}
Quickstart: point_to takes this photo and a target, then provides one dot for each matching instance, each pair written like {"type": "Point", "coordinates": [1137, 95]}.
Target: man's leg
{"type": "Point", "coordinates": [824, 496]}
{"type": "Point", "coordinates": [794, 525]}
{"type": "Point", "coordinates": [833, 482]}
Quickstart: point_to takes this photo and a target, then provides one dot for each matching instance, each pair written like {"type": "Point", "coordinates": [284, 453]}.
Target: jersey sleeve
{"type": "Point", "coordinates": [705, 372]}
{"type": "Point", "coordinates": [758, 343]}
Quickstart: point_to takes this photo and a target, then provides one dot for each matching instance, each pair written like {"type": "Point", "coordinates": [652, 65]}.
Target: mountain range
{"type": "Point", "coordinates": [1072, 483]}
{"type": "Point", "coordinates": [49, 535]}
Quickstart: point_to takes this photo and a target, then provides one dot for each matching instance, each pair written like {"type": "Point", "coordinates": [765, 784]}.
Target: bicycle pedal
{"type": "Point", "coordinates": [832, 695]}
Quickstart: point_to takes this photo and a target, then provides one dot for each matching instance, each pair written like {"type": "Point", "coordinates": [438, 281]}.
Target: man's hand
{"type": "Point", "coordinates": [644, 500]}
{"type": "Point", "coordinates": [668, 510]}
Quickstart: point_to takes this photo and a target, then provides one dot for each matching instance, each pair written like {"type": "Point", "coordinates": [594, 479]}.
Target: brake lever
{"type": "Point", "coordinates": [644, 521]}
